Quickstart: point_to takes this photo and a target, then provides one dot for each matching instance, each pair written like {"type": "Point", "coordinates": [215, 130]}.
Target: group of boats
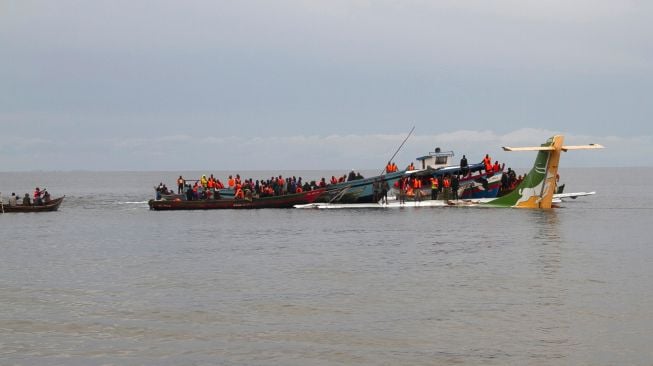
{"type": "Point", "coordinates": [476, 185]}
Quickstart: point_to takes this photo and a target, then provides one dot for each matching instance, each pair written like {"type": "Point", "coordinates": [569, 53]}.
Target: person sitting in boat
{"type": "Point", "coordinates": [218, 184]}
{"type": "Point", "coordinates": [239, 195]}
{"type": "Point", "coordinates": [411, 166]}
{"type": "Point", "coordinates": [26, 200]}
{"type": "Point", "coordinates": [351, 176]}
{"type": "Point", "coordinates": [46, 196]}
{"type": "Point", "coordinates": [13, 201]}
{"type": "Point", "coordinates": [38, 201]}
{"type": "Point", "coordinates": [496, 167]}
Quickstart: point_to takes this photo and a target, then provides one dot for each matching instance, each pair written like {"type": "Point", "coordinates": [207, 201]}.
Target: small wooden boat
{"type": "Point", "coordinates": [285, 201]}
{"type": "Point", "coordinates": [53, 205]}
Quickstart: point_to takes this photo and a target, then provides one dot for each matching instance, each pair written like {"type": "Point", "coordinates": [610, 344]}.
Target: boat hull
{"type": "Point", "coordinates": [285, 201]}
{"type": "Point", "coordinates": [361, 190]}
{"type": "Point", "coordinates": [51, 206]}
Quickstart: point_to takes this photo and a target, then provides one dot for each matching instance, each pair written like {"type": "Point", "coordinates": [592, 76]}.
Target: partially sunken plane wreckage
{"type": "Point", "coordinates": [537, 190]}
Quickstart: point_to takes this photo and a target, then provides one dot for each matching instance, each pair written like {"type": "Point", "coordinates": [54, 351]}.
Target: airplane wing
{"type": "Point", "coordinates": [573, 195]}
{"type": "Point", "coordinates": [583, 147]}
{"type": "Point", "coordinates": [534, 148]}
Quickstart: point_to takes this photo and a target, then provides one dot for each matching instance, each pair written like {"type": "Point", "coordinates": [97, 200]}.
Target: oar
{"type": "Point", "coordinates": [400, 146]}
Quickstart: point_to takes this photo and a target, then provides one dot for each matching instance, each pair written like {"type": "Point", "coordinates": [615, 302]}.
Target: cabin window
{"type": "Point", "coordinates": [440, 160]}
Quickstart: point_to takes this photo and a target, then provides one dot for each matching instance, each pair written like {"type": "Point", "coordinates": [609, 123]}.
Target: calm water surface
{"type": "Point", "coordinates": [106, 281]}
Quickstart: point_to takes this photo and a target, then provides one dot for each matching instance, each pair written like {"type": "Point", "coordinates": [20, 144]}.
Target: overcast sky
{"type": "Point", "coordinates": [194, 84]}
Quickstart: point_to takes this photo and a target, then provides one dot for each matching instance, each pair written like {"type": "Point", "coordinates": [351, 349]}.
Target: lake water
{"type": "Point", "coordinates": [106, 281]}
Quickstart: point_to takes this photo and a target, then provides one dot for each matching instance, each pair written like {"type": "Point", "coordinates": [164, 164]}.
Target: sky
{"type": "Point", "coordinates": [251, 85]}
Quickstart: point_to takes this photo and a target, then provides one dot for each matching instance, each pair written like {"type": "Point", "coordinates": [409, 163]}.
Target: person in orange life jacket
{"type": "Point", "coordinates": [487, 162]}
{"type": "Point", "coordinates": [231, 182]}
{"type": "Point", "coordinates": [417, 188]}
{"type": "Point", "coordinates": [411, 167]}
{"type": "Point", "coordinates": [388, 168]}
{"type": "Point", "coordinates": [239, 195]}
{"type": "Point", "coordinates": [435, 184]}
{"type": "Point", "coordinates": [334, 180]}
{"type": "Point", "coordinates": [394, 167]}
{"type": "Point", "coordinates": [180, 185]}
{"type": "Point", "coordinates": [496, 168]}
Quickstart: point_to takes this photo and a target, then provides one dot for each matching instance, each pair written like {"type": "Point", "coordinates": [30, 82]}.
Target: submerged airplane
{"type": "Point", "coordinates": [537, 190]}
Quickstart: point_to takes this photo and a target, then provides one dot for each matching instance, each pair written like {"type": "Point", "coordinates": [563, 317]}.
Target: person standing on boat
{"type": "Point", "coordinates": [180, 185]}
{"type": "Point", "coordinates": [435, 184]}
{"type": "Point", "coordinates": [13, 199]}
{"type": "Point", "coordinates": [403, 187]}
{"type": "Point", "coordinates": [488, 163]}
{"type": "Point", "coordinates": [455, 183]}
{"type": "Point", "coordinates": [417, 187]}
{"type": "Point", "coordinates": [384, 191]}
{"type": "Point", "coordinates": [26, 200]}
{"type": "Point", "coordinates": [464, 167]}
{"type": "Point", "coordinates": [446, 184]}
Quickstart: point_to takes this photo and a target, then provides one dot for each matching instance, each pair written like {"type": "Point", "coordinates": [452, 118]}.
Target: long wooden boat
{"type": "Point", "coordinates": [53, 205]}
{"type": "Point", "coordinates": [285, 201]}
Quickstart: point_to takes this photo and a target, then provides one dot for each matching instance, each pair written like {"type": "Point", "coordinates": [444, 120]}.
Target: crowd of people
{"type": "Point", "coordinates": [210, 187]}
{"type": "Point", "coordinates": [40, 197]}
{"type": "Point", "coordinates": [412, 186]}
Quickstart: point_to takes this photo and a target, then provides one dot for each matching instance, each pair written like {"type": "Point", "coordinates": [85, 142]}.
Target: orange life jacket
{"type": "Point", "coordinates": [239, 194]}
{"type": "Point", "coordinates": [446, 183]}
{"type": "Point", "coordinates": [231, 182]}
{"type": "Point", "coordinates": [417, 184]}
{"type": "Point", "coordinates": [434, 183]}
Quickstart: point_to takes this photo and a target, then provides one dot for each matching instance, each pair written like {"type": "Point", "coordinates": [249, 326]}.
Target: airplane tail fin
{"type": "Point", "coordinates": [539, 185]}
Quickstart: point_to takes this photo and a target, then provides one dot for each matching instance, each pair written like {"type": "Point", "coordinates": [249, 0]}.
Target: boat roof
{"type": "Point", "coordinates": [436, 153]}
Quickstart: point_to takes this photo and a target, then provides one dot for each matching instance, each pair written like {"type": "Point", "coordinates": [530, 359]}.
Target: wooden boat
{"type": "Point", "coordinates": [285, 201]}
{"type": "Point", "coordinates": [53, 205]}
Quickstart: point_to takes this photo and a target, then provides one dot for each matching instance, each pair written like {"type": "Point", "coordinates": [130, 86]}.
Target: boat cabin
{"type": "Point", "coordinates": [436, 159]}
